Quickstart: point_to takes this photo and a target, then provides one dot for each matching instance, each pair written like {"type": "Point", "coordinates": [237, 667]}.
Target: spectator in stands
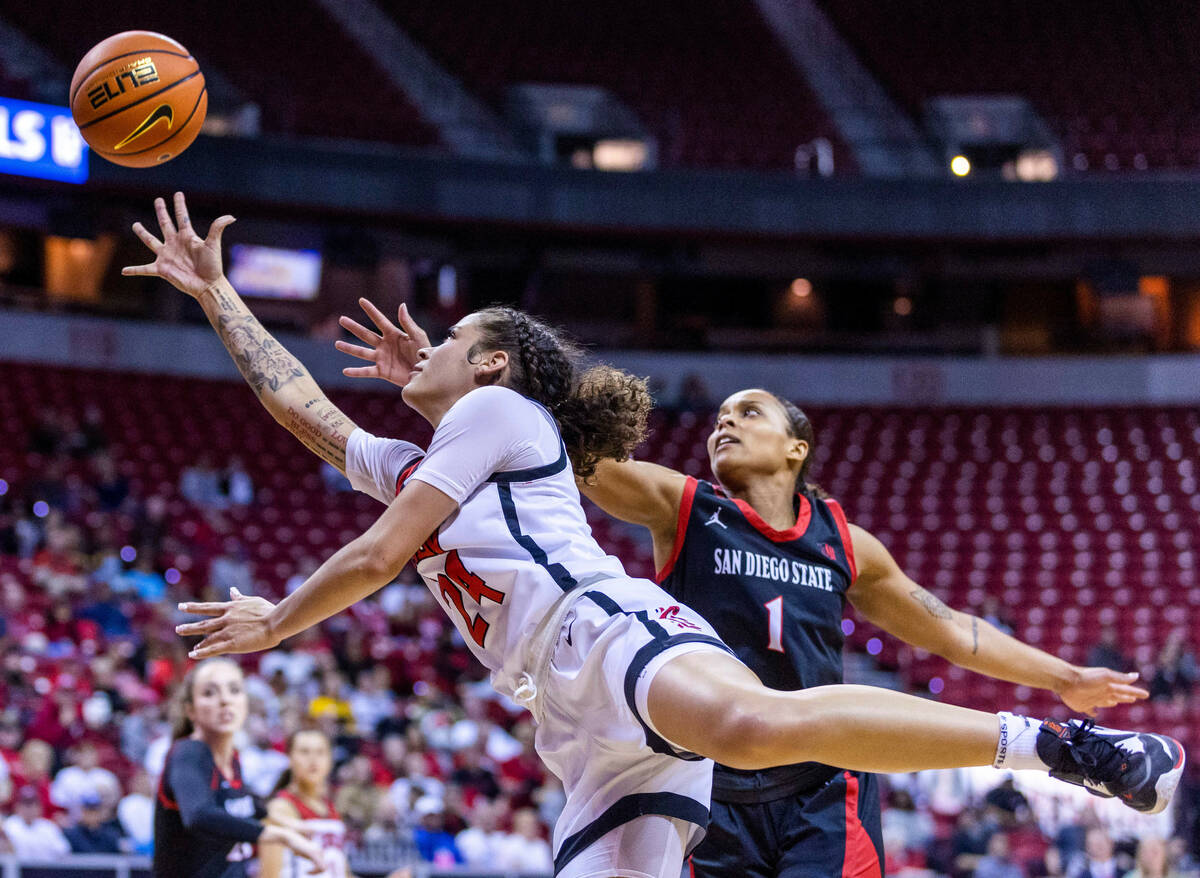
{"type": "Point", "coordinates": [331, 700]}
{"type": "Point", "coordinates": [33, 771]}
{"type": "Point", "coordinates": [997, 862]}
{"type": "Point", "coordinates": [106, 611]}
{"type": "Point", "coordinates": [525, 848]}
{"type": "Point", "coordinates": [236, 484]}
{"type": "Point", "coordinates": [82, 779]}
{"type": "Point", "coordinates": [1176, 671]}
{"type": "Point", "coordinates": [201, 483]}
{"type": "Point", "coordinates": [1007, 805]}
{"type": "Point", "coordinates": [112, 488]}
{"type": "Point", "coordinates": [1098, 856]}
{"type": "Point", "coordinates": [262, 764]}
{"type": "Point", "coordinates": [969, 842]}
{"type": "Point", "coordinates": [143, 580]}
{"type": "Point", "coordinates": [434, 843]}
{"type": "Point", "coordinates": [31, 835]}
{"type": "Point", "coordinates": [231, 569]}
{"type": "Point", "coordinates": [372, 700]}
{"type": "Point", "coordinates": [358, 797]}
{"type": "Point", "coordinates": [136, 813]}
{"type": "Point", "coordinates": [902, 821]}
{"type": "Point", "coordinates": [1106, 653]}
{"type": "Point", "coordinates": [1152, 860]}
{"type": "Point", "coordinates": [481, 841]}
{"type": "Point", "coordinates": [57, 567]}
{"type": "Point", "coordinates": [93, 834]}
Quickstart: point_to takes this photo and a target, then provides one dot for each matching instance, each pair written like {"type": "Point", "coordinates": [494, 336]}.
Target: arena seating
{"type": "Point", "coordinates": [308, 78]}
{"type": "Point", "coordinates": [1113, 80]}
{"type": "Point", "coordinates": [1073, 519]}
{"type": "Point", "coordinates": [712, 85]}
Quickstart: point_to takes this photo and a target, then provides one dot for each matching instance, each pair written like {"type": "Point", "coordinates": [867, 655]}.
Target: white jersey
{"type": "Point", "coordinates": [329, 833]}
{"type": "Point", "coordinates": [519, 538]}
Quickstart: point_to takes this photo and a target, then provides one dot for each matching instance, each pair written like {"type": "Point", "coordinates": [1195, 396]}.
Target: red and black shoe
{"type": "Point", "coordinates": [1141, 770]}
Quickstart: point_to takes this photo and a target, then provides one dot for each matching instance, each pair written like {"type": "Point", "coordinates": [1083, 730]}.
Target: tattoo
{"type": "Point", "coordinates": [931, 603]}
{"type": "Point", "coordinates": [323, 429]}
{"type": "Point", "coordinates": [975, 634]}
{"type": "Point", "coordinates": [267, 367]}
{"type": "Point", "coordinates": [263, 362]}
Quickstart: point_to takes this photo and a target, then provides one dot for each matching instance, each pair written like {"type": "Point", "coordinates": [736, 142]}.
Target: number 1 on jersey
{"type": "Point", "coordinates": [775, 623]}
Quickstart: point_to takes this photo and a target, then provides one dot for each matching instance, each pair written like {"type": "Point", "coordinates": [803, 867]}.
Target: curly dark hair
{"type": "Point", "coordinates": [800, 427]}
{"type": "Point", "coordinates": [601, 412]}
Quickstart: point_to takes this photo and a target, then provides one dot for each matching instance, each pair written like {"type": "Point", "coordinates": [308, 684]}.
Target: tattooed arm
{"type": "Point", "coordinates": [284, 387]}
{"type": "Point", "coordinates": [281, 383]}
{"type": "Point", "coordinates": [884, 595]}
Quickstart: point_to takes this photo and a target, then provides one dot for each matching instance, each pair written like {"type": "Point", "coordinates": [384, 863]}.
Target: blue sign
{"type": "Point", "coordinates": [40, 140]}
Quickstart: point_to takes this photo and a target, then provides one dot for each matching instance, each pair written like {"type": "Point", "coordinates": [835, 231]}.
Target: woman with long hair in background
{"type": "Point", "coordinates": [206, 821]}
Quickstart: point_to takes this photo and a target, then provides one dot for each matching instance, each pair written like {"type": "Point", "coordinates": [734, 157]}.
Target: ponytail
{"type": "Point", "coordinates": [285, 780]}
{"type": "Point", "coordinates": [601, 413]}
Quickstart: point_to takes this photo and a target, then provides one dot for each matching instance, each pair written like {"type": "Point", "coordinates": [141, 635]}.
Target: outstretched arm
{"type": "Point", "coordinates": [888, 598]}
{"type": "Point", "coordinates": [285, 388]}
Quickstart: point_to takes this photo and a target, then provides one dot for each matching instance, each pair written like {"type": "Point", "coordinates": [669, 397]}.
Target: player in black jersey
{"type": "Point", "coordinates": [771, 562]}
{"type": "Point", "coordinates": [206, 822]}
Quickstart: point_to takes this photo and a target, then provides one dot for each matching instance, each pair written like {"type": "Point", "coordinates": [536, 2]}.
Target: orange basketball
{"type": "Point", "coordinates": [138, 98]}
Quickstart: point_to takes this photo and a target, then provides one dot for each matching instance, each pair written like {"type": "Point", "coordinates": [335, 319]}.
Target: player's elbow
{"type": "Point", "coordinates": [378, 559]}
{"type": "Point", "coordinates": [740, 738]}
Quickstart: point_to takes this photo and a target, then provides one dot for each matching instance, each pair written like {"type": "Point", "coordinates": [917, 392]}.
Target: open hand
{"type": "Point", "coordinates": [393, 350]}
{"type": "Point", "coordinates": [236, 626]}
{"type": "Point", "coordinates": [1100, 687]}
{"type": "Point", "coordinates": [182, 258]}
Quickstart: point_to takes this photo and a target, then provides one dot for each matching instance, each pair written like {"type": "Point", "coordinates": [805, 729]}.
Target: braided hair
{"type": "Point", "coordinates": [800, 427]}
{"type": "Point", "coordinates": [601, 412]}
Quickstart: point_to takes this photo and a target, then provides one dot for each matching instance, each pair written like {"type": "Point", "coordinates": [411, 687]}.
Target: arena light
{"type": "Point", "coordinates": [801, 288]}
{"type": "Point", "coordinates": [960, 166]}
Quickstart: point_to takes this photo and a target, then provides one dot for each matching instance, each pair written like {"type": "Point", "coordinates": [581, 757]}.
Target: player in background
{"type": "Point", "coordinates": [772, 562]}
{"type": "Point", "coordinates": [302, 797]}
{"type": "Point", "coordinates": [630, 708]}
{"type": "Point", "coordinates": [206, 822]}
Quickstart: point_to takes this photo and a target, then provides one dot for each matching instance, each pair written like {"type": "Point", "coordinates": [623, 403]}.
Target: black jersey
{"type": "Point", "coordinates": [204, 823]}
{"type": "Point", "coordinates": [776, 598]}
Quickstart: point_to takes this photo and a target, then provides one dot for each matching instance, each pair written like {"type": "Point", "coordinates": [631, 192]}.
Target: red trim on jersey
{"type": "Point", "coordinates": [235, 781]}
{"type": "Point", "coordinates": [307, 813]}
{"type": "Point", "coordinates": [163, 799]}
{"type": "Point", "coordinates": [681, 523]}
{"type": "Point", "coordinates": [803, 518]}
{"type": "Point", "coordinates": [861, 860]}
{"type": "Point", "coordinates": [403, 477]}
{"type": "Point", "coordinates": [839, 515]}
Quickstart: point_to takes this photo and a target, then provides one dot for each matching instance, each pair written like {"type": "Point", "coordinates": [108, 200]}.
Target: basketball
{"type": "Point", "coordinates": [138, 98]}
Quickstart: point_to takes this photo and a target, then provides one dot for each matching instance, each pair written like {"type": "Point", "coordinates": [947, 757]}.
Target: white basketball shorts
{"type": "Point", "coordinates": [636, 804]}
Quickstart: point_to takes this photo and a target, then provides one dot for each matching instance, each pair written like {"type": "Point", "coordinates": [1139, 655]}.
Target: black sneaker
{"type": "Point", "coordinates": [1141, 770]}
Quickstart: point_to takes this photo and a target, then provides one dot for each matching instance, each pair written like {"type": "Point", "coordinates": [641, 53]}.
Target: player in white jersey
{"type": "Point", "coordinates": [627, 687]}
{"type": "Point", "coordinates": [301, 797]}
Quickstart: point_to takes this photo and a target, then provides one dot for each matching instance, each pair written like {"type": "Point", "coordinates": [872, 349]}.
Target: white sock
{"type": "Point", "coordinates": [1017, 747]}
